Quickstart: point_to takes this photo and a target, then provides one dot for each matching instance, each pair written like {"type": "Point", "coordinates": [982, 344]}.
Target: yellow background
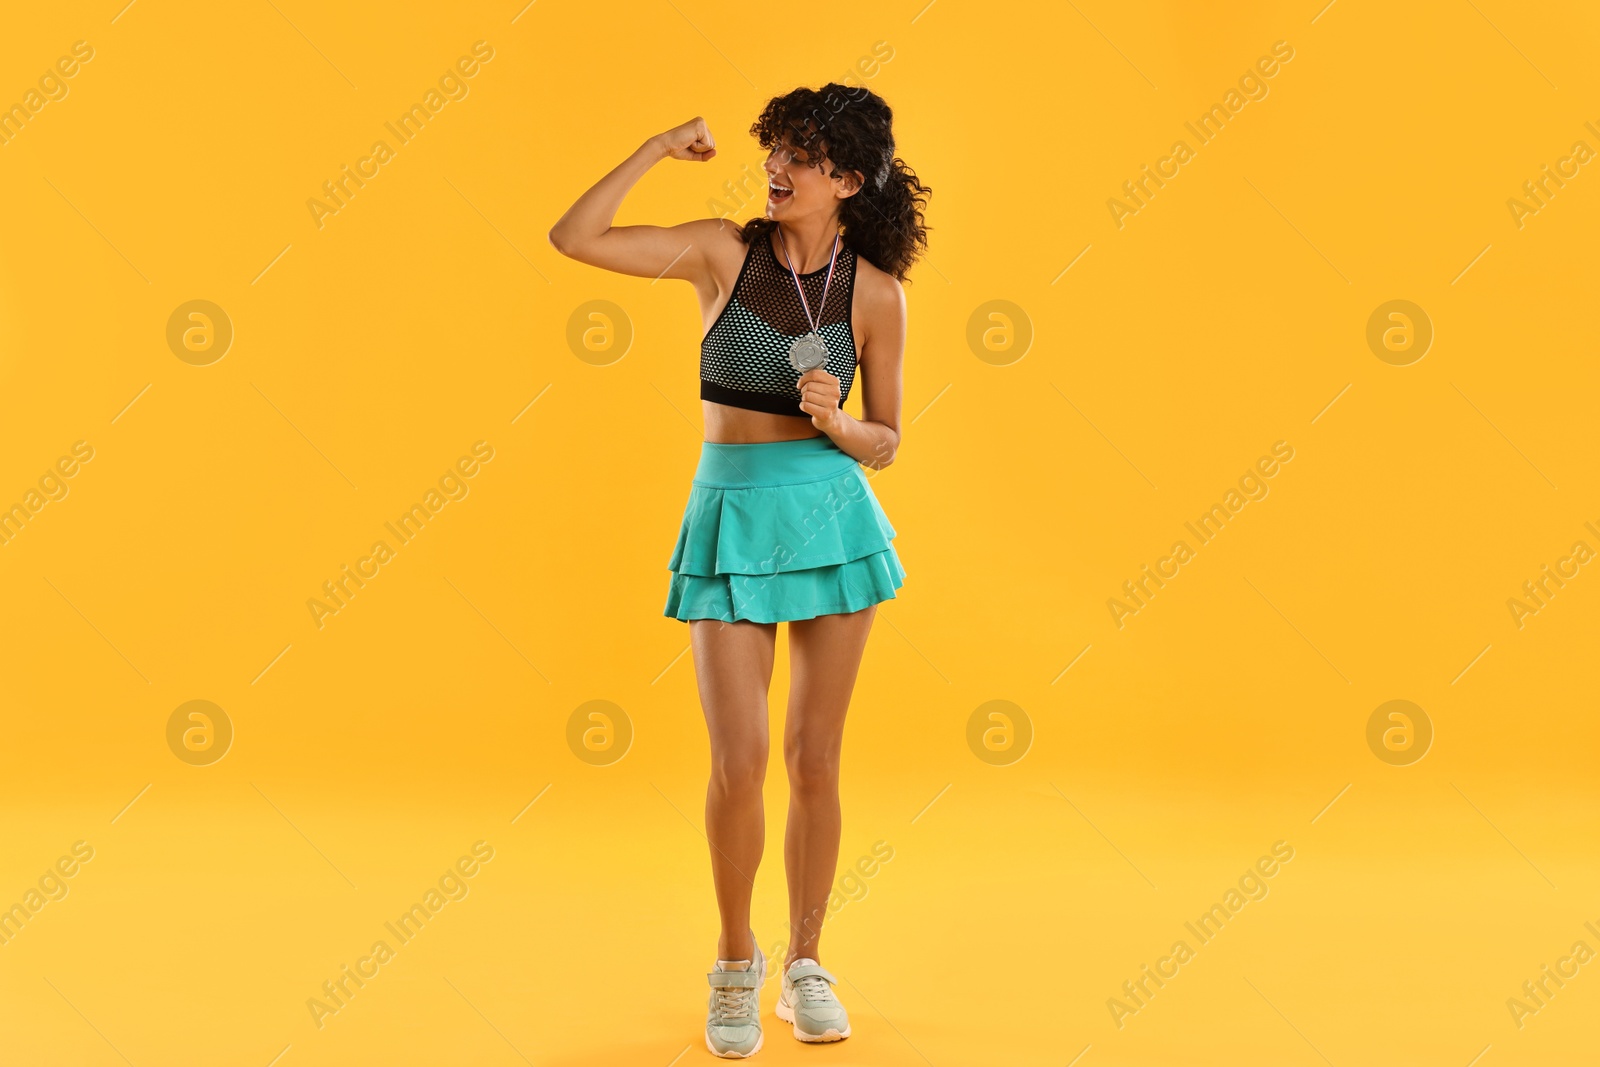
{"type": "Point", "coordinates": [369, 354]}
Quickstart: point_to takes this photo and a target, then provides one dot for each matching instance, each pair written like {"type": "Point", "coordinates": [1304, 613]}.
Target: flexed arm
{"type": "Point", "coordinates": [585, 232]}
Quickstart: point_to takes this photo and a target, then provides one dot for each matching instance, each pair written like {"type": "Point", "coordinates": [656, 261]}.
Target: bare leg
{"type": "Point", "coordinates": [825, 654]}
{"type": "Point", "coordinates": [733, 668]}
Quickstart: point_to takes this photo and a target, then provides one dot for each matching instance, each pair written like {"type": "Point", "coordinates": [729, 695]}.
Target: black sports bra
{"type": "Point", "coordinates": [744, 358]}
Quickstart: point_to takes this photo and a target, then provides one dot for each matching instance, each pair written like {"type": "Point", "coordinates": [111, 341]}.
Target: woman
{"type": "Point", "coordinates": [781, 525]}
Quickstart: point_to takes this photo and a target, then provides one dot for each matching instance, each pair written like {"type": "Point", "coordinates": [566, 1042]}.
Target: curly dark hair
{"type": "Point", "coordinates": [850, 126]}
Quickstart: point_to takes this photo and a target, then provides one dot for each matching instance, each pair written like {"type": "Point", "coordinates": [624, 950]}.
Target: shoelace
{"type": "Point", "coordinates": [812, 988]}
{"type": "Point", "coordinates": [734, 1002]}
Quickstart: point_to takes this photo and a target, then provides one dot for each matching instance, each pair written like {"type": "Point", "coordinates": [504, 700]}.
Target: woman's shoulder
{"type": "Point", "coordinates": [715, 235]}
{"type": "Point", "coordinates": [877, 291]}
{"type": "Point", "coordinates": [718, 245]}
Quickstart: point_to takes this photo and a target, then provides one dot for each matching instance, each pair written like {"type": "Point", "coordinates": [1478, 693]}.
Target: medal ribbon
{"type": "Point", "coordinates": [832, 260]}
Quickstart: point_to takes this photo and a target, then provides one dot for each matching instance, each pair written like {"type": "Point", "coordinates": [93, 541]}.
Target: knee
{"type": "Point", "coordinates": [739, 769]}
{"type": "Point", "coordinates": [813, 769]}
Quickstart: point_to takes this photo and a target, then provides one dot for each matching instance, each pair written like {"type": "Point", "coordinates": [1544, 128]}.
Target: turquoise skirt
{"type": "Point", "coordinates": [779, 531]}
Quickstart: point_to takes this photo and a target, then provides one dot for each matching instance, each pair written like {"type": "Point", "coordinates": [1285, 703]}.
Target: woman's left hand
{"type": "Point", "coordinates": [819, 397]}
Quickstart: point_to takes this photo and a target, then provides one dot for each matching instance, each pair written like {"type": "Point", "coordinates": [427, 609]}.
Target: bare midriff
{"type": "Point", "coordinates": [736, 426]}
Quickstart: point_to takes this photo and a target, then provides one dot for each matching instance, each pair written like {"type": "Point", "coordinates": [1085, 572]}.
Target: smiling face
{"type": "Point", "coordinates": [796, 191]}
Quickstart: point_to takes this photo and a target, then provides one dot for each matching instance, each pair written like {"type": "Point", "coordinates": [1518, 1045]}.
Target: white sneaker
{"type": "Point", "coordinates": [733, 1018]}
{"type": "Point", "coordinates": [807, 1001]}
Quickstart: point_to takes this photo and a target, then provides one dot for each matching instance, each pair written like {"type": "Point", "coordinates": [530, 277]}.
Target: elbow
{"type": "Point", "coordinates": [572, 242]}
{"type": "Point", "coordinates": [560, 241]}
{"type": "Point", "coordinates": [567, 237]}
{"type": "Point", "coordinates": [884, 453]}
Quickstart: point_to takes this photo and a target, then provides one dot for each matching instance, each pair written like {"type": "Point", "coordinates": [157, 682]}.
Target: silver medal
{"type": "Point", "coordinates": [808, 352]}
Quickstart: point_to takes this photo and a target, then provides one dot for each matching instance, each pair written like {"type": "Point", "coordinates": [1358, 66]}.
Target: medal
{"type": "Point", "coordinates": [809, 350]}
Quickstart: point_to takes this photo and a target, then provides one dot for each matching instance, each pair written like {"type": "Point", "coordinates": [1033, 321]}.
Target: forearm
{"type": "Point", "coordinates": [871, 443]}
{"type": "Point", "coordinates": [591, 214]}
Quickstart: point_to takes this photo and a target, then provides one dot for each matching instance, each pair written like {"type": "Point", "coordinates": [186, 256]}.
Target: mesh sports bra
{"type": "Point", "coordinates": [744, 358]}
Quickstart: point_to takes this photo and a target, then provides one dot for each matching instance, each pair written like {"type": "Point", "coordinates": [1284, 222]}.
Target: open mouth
{"type": "Point", "coordinates": [777, 194]}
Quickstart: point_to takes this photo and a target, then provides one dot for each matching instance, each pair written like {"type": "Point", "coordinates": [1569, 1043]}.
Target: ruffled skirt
{"type": "Point", "coordinates": [780, 531]}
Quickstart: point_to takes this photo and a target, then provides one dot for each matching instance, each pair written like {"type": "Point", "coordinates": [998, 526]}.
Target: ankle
{"type": "Point", "coordinates": [732, 948]}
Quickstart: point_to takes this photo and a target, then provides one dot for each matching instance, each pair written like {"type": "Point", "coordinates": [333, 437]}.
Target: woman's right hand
{"type": "Point", "coordinates": [692, 140]}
